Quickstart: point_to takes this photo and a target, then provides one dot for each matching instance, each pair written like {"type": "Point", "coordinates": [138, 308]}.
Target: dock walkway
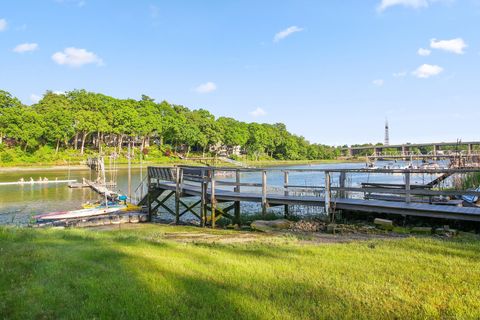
{"type": "Point", "coordinates": [181, 182]}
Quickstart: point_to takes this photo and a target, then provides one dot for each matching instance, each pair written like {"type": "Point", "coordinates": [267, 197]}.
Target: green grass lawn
{"type": "Point", "coordinates": [146, 272]}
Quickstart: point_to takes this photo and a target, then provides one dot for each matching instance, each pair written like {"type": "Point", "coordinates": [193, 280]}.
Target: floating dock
{"type": "Point", "coordinates": [113, 218]}
{"type": "Point", "coordinates": [33, 182]}
{"type": "Point", "coordinates": [99, 188]}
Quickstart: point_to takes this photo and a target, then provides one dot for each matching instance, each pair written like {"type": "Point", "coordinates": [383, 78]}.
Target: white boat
{"type": "Point", "coordinates": [82, 213]}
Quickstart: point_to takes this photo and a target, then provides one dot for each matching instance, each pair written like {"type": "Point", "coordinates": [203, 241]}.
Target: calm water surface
{"type": "Point", "coordinates": [19, 202]}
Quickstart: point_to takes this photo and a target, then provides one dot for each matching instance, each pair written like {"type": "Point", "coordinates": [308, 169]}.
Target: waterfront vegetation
{"type": "Point", "coordinates": [68, 126]}
{"type": "Point", "coordinates": [470, 181]}
{"type": "Point", "coordinates": [164, 272]}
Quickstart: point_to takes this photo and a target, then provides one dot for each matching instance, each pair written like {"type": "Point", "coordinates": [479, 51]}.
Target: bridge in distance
{"type": "Point", "coordinates": [405, 148]}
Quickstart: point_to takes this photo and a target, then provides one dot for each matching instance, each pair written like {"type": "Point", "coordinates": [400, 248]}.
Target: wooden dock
{"type": "Point", "coordinates": [201, 182]}
{"type": "Point", "coordinates": [98, 187]}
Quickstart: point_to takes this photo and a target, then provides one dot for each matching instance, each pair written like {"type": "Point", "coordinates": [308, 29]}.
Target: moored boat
{"type": "Point", "coordinates": [82, 213]}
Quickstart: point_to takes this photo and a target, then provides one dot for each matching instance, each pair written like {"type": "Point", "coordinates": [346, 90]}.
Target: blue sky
{"type": "Point", "coordinates": [332, 71]}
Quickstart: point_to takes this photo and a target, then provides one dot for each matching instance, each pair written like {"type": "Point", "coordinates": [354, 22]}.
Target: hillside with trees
{"type": "Point", "coordinates": [80, 122]}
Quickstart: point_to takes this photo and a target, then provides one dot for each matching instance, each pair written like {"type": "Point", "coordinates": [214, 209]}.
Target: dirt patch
{"type": "Point", "coordinates": [218, 236]}
{"type": "Point", "coordinates": [240, 237]}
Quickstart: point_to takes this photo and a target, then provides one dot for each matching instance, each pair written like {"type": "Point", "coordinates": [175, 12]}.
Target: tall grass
{"type": "Point", "coordinates": [471, 181]}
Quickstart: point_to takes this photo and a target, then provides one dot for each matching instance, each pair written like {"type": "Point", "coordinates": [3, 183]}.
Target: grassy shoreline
{"type": "Point", "coordinates": [149, 272]}
{"type": "Point", "coordinates": [136, 164]}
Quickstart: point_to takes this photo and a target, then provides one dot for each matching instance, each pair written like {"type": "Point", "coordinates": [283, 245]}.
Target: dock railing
{"type": "Point", "coordinates": [329, 184]}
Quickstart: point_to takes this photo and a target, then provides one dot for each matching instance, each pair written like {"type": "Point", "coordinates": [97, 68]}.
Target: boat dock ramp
{"type": "Point", "coordinates": [100, 188]}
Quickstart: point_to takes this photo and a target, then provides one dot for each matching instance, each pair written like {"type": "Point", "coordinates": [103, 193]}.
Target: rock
{"type": "Point", "coordinates": [422, 230]}
{"type": "Point", "coordinates": [446, 232]}
{"type": "Point", "coordinates": [331, 228]}
{"type": "Point", "coordinates": [308, 226]}
{"type": "Point", "coordinates": [384, 223]}
{"type": "Point", "coordinates": [134, 219]}
{"type": "Point", "coordinates": [270, 225]}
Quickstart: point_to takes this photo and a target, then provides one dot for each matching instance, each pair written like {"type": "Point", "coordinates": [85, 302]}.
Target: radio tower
{"type": "Point", "coordinates": [387, 135]}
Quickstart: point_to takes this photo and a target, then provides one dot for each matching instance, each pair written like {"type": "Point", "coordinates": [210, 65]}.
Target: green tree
{"type": "Point", "coordinates": [58, 118]}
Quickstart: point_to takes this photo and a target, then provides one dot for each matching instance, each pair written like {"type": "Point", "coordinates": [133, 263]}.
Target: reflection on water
{"type": "Point", "coordinates": [19, 202]}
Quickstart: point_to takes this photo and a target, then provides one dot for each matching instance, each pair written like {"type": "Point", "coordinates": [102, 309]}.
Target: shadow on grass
{"type": "Point", "coordinates": [69, 274]}
{"type": "Point", "coordinates": [78, 274]}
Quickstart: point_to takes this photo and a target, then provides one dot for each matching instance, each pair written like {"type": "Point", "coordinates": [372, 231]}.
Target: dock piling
{"type": "Point", "coordinates": [213, 201]}
{"type": "Point", "coordinates": [328, 195]}
{"type": "Point", "coordinates": [407, 188]}
{"type": "Point", "coordinates": [264, 192]}
{"type": "Point", "coordinates": [177, 194]}
{"type": "Point", "coordinates": [237, 203]}
{"type": "Point", "coordinates": [285, 186]}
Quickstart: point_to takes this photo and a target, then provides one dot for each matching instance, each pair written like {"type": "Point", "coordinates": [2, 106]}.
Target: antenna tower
{"type": "Point", "coordinates": [387, 134]}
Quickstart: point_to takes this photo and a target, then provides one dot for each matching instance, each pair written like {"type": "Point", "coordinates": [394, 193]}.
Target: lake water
{"type": "Point", "coordinates": [19, 202]}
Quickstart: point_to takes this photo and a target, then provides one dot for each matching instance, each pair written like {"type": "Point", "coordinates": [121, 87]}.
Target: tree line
{"type": "Point", "coordinates": [80, 119]}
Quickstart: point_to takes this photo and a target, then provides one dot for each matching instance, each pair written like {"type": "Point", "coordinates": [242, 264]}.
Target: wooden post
{"type": "Point", "coordinates": [237, 203]}
{"type": "Point", "coordinates": [203, 204]}
{"type": "Point", "coordinates": [343, 177]}
{"type": "Point", "coordinates": [129, 173]}
{"type": "Point", "coordinates": [213, 201]}
{"type": "Point", "coordinates": [407, 187]}
{"type": "Point", "coordinates": [149, 199]}
{"type": "Point", "coordinates": [177, 194]}
{"type": "Point", "coordinates": [264, 192]}
{"type": "Point", "coordinates": [328, 196]}
{"type": "Point", "coordinates": [285, 186]}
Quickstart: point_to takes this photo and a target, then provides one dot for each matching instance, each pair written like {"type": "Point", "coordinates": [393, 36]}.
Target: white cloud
{"type": "Point", "coordinates": [285, 33]}
{"type": "Point", "coordinates": [427, 71]}
{"type": "Point", "coordinates": [406, 3]}
{"type": "Point", "coordinates": [75, 57]}
{"type": "Point", "coordinates": [35, 98]}
{"type": "Point", "coordinates": [400, 74]}
{"type": "Point", "coordinates": [206, 87]}
{"type": "Point", "coordinates": [454, 45]}
{"type": "Point", "coordinates": [423, 52]}
{"type": "Point", "coordinates": [3, 25]}
{"type": "Point", "coordinates": [259, 112]}
{"type": "Point", "coordinates": [25, 47]}
{"type": "Point", "coordinates": [378, 82]}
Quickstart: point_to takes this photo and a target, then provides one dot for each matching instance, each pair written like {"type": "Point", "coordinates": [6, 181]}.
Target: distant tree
{"type": "Point", "coordinates": [58, 118]}
{"type": "Point", "coordinates": [7, 101]}
{"type": "Point", "coordinates": [95, 119]}
{"type": "Point", "coordinates": [232, 132]}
